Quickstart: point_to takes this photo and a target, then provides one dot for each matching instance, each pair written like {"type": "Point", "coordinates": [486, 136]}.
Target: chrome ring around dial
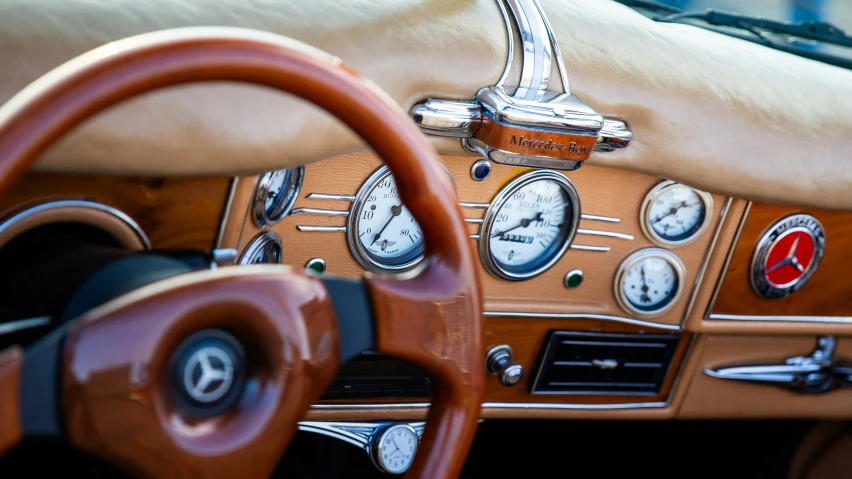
{"type": "Point", "coordinates": [683, 209]}
{"type": "Point", "coordinates": [275, 194]}
{"type": "Point", "coordinates": [654, 277]}
{"type": "Point", "coordinates": [382, 234]}
{"type": "Point", "coordinates": [540, 231]}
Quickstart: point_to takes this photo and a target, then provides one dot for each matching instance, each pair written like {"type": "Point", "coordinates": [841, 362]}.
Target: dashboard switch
{"type": "Point", "coordinates": [499, 362]}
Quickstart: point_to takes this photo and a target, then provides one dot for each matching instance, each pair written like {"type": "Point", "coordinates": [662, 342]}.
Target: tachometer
{"type": "Point", "coordinates": [529, 225]}
{"type": "Point", "coordinates": [382, 234]}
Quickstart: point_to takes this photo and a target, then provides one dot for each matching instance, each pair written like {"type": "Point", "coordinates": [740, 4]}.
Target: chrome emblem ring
{"type": "Point", "coordinates": [209, 374]}
{"type": "Point", "coordinates": [787, 256]}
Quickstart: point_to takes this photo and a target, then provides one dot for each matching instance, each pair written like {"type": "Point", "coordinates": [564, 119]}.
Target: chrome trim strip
{"type": "Point", "coordinates": [22, 324]}
{"type": "Point", "coordinates": [51, 205]}
{"type": "Point", "coordinates": [607, 219]}
{"type": "Point", "coordinates": [323, 196]}
{"type": "Point", "coordinates": [582, 247]}
{"type": "Point", "coordinates": [538, 53]}
{"type": "Point", "coordinates": [479, 206]}
{"type": "Point", "coordinates": [232, 190]}
{"type": "Point", "coordinates": [603, 317]}
{"type": "Point", "coordinates": [502, 405]}
{"type": "Point", "coordinates": [321, 229]}
{"type": "Point", "coordinates": [786, 319]}
{"type": "Point", "coordinates": [727, 263]}
{"type": "Point", "coordinates": [608, 234]}
{"type": "Point", "coordinates": [475, 221]}
{"type": "Point", "coordinates": [318, 212]}
{"type": "Point", "coordinates": [474, 236]}
{"type": "Point", "coordinates": [702, 270]}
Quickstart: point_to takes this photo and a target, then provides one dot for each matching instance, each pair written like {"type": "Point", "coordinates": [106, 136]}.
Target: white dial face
{"type": "Point", "coordinates": [386, 229]}
{"type": "Point", "coordinates": [677, 213]}
{"type": "Point", "coordinates": [650, 284]}
{"type": "Point", "coordinates": [396, 449]}
{"type": "Point", "coordinates": [529, 226]}
{"type": "Point", "coordinates": [275, 191]}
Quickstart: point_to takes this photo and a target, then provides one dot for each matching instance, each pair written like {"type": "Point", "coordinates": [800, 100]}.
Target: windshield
{"type": "Point", "coordinates": [838, 12]}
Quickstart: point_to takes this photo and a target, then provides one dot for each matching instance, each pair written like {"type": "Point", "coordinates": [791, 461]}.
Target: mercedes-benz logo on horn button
{"type": "Point", "coordinates": [208, 374]}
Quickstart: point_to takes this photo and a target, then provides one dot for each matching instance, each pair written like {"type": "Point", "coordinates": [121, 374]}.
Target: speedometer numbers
{"type": "Point", "coordinates": [649, 282]}
{"type": "Point", "coordinates": [382, 234]}
{"type": "Point", "coordinates": [529, 225]}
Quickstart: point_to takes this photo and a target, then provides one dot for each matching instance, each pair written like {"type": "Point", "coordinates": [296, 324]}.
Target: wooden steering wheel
{"type": "Point", "coordinates": [107, 382]}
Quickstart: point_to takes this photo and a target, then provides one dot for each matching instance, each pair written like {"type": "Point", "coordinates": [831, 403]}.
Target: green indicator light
{"type": "Point", "coordinates": [573, 279]}
{"type": "Point", "coordinates": [316, 265]}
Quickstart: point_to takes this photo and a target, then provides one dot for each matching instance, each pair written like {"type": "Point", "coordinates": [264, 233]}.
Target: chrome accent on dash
{"type": "Point", "coordinates": [608, 234]}
{"type": "Point", "coordinates": [319, 212]}
{"type": "Point", "coordinates": [53, 205]}
{"type": "Point", "coordinates": [474, 236]}
{"type": "Point", "coordinates": [503, 405]}
{"type": "Point", "coordinates": [324, 196]}
{"type": "Point", "coordinates": [22, 324]}
{"type": "Point", "coordinates": [786, 319]}
{"type": "Point", "coordinates": [602, 317]}
{"type": "Point", "coordinates": [475, 221]}
{"type": "Point", "coordinates": [607, 219]}
{"type": "Point", "coordinates": [582, 247]}
{"type": "Point", "coordinates": [817, 373]}
{"type": "Point", "coordinates": [479, 206]}
{"type": "Point", "coordinates": [321, 229]}
{"type": "Point", "coordinates": [356, 433]}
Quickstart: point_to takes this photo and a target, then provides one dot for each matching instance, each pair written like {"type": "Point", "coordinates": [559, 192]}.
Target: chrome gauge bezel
{"type": "Point", "coordinates": [555, 253]}
{"type": "Point", "coordinates": [293, 184]}
{"type": "Point", "coordinates": [376, 449]}
{"type": "Point", "coordinates": [258, 243]}
{"type": "Point", "coordinates": [645, 215]}
{"type": "Point", "coordinates": [629, 262]}
{"type": "Point", "coordinates": [361, 255]}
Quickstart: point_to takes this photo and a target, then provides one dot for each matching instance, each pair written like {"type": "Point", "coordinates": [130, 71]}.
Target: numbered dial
{"type": "Point", "coordinates": [276, 192]}
{"type": "Point", "coordinates": [675, 214]}
{"type": "Point", "coordinates": [383, 234]}
{"type": "Point", "coordinates": [529, 225]}
{"type": "Point", "coordinates": [395, 448]}
{"type": "Point", "coordinates": [650, 282]}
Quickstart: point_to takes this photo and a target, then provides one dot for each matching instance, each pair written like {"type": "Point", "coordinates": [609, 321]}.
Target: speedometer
{"type": "Point", "coordinates": [529, 225]}
{"type": "Point", "coordinates": [382, 234]}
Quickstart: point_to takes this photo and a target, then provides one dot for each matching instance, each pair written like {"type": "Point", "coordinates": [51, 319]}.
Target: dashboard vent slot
{"type": "Point", "coordinates": [604, 363]}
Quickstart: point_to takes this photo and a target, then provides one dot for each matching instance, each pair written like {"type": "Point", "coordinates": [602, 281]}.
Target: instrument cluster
{"type": "Point", "coordinates": [527, 227]}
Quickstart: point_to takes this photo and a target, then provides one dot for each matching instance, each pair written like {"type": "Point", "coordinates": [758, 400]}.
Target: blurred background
{"type": "Point", "coordinates": [838, 12]}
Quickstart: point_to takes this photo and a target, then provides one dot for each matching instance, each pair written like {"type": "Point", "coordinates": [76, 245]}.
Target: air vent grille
{"type": "Point", "coordinates": [604, 363]}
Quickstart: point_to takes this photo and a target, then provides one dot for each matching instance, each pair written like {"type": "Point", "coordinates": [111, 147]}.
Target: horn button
{"type": "Point", "coordinates": [208, 373]}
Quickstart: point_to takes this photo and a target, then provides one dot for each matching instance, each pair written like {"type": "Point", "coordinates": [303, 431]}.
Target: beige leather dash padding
{"type": "Point", "coordinates": [727, 116]}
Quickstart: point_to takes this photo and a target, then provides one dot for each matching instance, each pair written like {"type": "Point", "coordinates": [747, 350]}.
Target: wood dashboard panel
{"type": "Point", "coordinates": [603, 192]}
{"type": "Point", "coordinates": [826, 294]}
{"type": "Point", "coordinates": [175, 213]}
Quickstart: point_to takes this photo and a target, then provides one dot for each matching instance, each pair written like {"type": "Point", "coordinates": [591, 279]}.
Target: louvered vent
{"type": "Point", "coordinates": [604, 363]}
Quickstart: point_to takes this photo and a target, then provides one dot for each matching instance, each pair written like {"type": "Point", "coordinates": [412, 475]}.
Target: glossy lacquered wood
{"type": "Point", "coordinates": [443, 303]}
{"type": "Point", "coordinates": [117, 399]}
{"type": "Point", "coordinates": [825, 294]}
{"type": "Point", "coordinates": [173, 212]}
{"type": "Point", "coordinates": [10, 379]}
{"type": "Point", "coordinates": [538, 143]}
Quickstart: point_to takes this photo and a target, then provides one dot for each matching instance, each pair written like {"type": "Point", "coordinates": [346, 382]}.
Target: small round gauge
{"type": "Point", "coordinates": [529, 225]}
{"type": "Point", "coordinates": [649, 282]}
{"type": "Point", "coordinates": [275, 194]}
{"type": "Point", "coordinates": [675, 215]}
{"type": "Point", "coordinates": [394, 449]}
{"type": "Point", "coordinates": [264, 248]}
{"type": "Point", "coordinates": [382, 234]}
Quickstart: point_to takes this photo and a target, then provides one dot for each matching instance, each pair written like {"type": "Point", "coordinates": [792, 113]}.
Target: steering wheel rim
{"type": "Point", "coordinates": [432, 319]}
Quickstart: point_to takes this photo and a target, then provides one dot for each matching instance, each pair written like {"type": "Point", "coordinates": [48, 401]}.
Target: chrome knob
{"type": "Point", "coordinates": [499, 362]}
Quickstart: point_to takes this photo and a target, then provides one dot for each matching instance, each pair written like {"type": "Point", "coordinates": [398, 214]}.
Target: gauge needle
{"type": "Point", "coordinates": [645, 296]}
{"type": "Point", "coordinates": [395, 211]}
{"type": "Point", "coordinates": [524, 223]}
{"type": "Point", "coordinates": [672, 211]}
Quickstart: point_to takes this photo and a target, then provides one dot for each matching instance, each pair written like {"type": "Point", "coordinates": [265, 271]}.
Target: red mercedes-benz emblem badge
{"type": "Point", "coordinates": [787, 255]}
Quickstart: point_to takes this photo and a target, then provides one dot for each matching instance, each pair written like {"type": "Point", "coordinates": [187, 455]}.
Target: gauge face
{"type": "Point", "coordinates": [265, 248]}
{"type": "Point", "coordinates": [276, 193]}
{"type": "Point", "coordinates": [382, 233]}
{"type": "Point", "coordinates": [675, 214]}
{"type": "Point", "coordinates": [649, 282]}
{"type": "Point", "coordinates": [396, 448]}
{"type": "Point", "coordinates": [529, 225]}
